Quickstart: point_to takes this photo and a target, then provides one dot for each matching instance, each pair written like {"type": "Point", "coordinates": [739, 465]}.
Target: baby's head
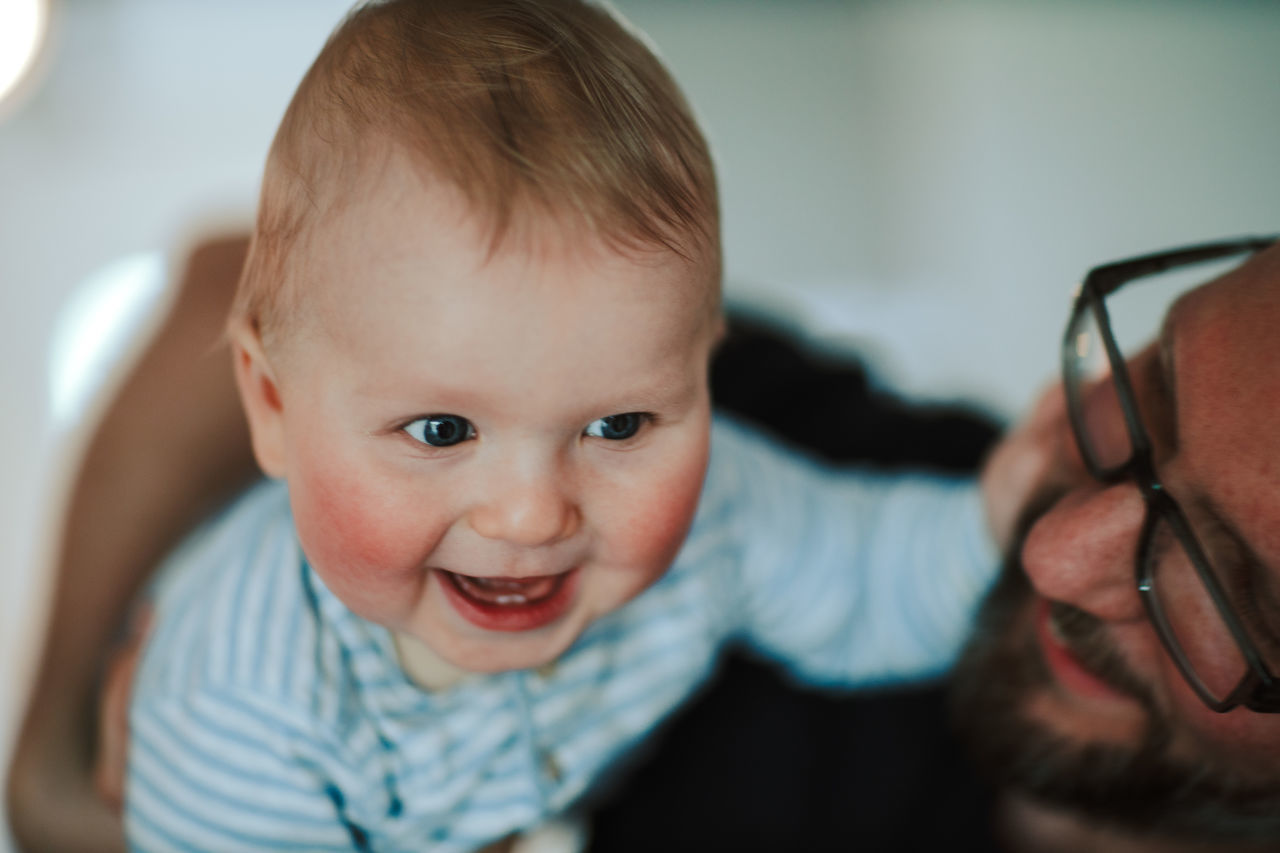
{"type": "Point", "coordinates": [474, 326]}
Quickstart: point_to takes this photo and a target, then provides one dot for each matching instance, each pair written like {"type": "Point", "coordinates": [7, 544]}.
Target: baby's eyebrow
{"type": "Point", "coordinates": [435, 391]}
{"type": "Point", "coordinates": [667, 390]}
{"type": "Point", "coordinates": [664, 390]}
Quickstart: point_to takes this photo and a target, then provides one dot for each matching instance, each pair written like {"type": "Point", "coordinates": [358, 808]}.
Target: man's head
{"type": "Point", "coordinates": [474, 329]}
{"type": "Point", "coordinates": [1068, 691]}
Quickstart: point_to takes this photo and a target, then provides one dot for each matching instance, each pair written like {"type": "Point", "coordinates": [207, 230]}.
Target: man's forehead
{"type": "Point", "coordinates": [1239, 297]}
{"type": "Point", "coordinates": [1226, 358]}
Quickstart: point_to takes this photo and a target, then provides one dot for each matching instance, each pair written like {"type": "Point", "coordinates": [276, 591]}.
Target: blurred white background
{"type": "Point", "coordinates": [924, 181]}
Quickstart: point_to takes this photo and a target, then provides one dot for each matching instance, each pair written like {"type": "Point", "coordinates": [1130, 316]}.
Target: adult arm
{"type": "Point", "coordinates": [171, 445]}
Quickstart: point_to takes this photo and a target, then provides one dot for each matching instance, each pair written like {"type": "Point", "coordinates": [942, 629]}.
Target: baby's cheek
{"type": "Point", "coordinates": [351, 540]}
{"type": "Point", "coordinates": [662, 512]}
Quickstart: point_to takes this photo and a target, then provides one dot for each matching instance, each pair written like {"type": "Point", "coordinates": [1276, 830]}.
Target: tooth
{"type": "Point", "coordinates": [512, 599]}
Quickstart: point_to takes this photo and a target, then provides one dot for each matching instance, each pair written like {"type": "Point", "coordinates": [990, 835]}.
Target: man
{"type": "Point", "coordinates": [1118, 691]}
{"type": "Point", "coordinates": [1120, 687]}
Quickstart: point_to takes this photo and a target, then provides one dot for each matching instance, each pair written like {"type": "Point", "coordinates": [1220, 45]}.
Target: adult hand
{"type": "Point", "coordinates": [111, 759]}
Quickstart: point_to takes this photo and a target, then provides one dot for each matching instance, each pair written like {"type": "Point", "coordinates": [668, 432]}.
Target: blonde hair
{"type": "Point", "coordinates": [546, 104]}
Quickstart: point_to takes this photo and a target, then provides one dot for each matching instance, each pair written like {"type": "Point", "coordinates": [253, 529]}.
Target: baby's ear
{"type": "Point", "coordinates": [260, 395]}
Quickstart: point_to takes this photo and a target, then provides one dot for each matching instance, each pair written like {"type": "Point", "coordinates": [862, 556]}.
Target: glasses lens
{"type": "Point", "coordinates": [1092, 395]}
{"type": "Point", "coordinates": [1198, 631]}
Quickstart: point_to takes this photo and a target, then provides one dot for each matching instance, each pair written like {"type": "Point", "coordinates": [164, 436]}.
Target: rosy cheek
{"type": "Point", "coordinates": [343, 529]}
{"type": "Point", "coordinates": [661, 513]}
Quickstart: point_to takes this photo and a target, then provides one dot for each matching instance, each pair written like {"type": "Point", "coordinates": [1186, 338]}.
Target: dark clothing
{"type": "Point", "coordinates": [758, 764]}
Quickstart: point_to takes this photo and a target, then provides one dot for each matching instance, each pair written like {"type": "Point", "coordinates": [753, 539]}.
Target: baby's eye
{"type": "Point", "coordinates": [617, 427]}
{"type": "Point", "coordinates": [441, 430]}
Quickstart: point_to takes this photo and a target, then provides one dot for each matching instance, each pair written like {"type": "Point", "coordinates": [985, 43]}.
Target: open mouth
{"type": "Point", "coordinates": [1068, 669]}
{"type": "Point", "coordinates": [507, 591]}
{"type": "Point", "coordinates": [510, 604]}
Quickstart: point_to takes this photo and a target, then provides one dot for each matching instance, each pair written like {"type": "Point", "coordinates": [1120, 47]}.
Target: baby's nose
{"type": "Point", "coordinates": [529, 511]}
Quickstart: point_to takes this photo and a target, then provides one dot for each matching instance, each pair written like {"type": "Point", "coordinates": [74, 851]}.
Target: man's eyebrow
{"type": "Point", "coordinates": [1257, 577]}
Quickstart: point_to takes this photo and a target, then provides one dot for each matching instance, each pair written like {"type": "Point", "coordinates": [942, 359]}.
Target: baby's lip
{"type": "Point", "coordinates": [507, 603]}
{"type": "Point", "coordinates": [514, 578]}
{"type": "Point", "coordinates": [508, 589]}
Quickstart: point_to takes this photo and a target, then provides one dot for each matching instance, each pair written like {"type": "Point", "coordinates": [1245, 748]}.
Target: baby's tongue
{"type": "Point", "coordinates": [507, 590]}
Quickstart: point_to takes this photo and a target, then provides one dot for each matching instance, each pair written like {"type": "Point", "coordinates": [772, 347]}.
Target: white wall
{"type": "Point", "coordinates": [926, 180]}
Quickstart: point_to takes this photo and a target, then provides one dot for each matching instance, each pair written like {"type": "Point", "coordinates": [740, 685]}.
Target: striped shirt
{"type": "Point", "coordinates": [268, 716]}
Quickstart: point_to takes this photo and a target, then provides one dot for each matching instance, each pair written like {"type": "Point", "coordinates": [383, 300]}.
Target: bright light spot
{"type": "Point", "coordinates": [22, 29]}
{"type": "Point", "coordinates": [1084, 345]}
{"type": "Point", "coordinates": [95, 328]}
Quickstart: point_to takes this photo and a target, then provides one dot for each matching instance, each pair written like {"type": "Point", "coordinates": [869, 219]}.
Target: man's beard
{"type": "Point", "coordinates": [1138, 787]}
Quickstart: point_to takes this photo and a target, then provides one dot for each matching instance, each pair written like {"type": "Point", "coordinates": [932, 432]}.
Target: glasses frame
{"type": "Point", "coordinates": [1258, 689]}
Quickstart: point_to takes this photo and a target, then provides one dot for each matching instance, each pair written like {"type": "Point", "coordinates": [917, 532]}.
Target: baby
{"type": "Point", "coordinates": [504, 535]}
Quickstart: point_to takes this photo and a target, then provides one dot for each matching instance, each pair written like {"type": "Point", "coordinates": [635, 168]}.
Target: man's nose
{"type": "Point", "coordinates": [530, 507]}
{"type": "Point", "coordinates": [1083, 550]}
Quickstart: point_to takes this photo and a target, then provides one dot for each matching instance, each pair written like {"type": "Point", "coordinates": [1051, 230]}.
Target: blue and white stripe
{"type": "Point", "coordinates": [267, 716]}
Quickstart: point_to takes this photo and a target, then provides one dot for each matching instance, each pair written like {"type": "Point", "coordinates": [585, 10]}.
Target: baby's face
{"type": "Point", "coordinates": [489, 453]}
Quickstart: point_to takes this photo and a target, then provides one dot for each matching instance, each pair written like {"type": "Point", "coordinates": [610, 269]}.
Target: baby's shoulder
{"type": "Point", "coordinates": [744, 458]}
{"type": "Point", "coordinates": [232, 608]}
{"type": "Point", "coordinates": [736, 443]}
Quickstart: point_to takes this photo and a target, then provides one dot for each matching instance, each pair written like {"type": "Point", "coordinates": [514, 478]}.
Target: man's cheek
{"type": "Point", "coordinates": [1241, 739]}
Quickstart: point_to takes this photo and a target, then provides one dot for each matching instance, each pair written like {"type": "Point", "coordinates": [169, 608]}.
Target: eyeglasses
{"type": "Point", "coordinates": [1185, 598]}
